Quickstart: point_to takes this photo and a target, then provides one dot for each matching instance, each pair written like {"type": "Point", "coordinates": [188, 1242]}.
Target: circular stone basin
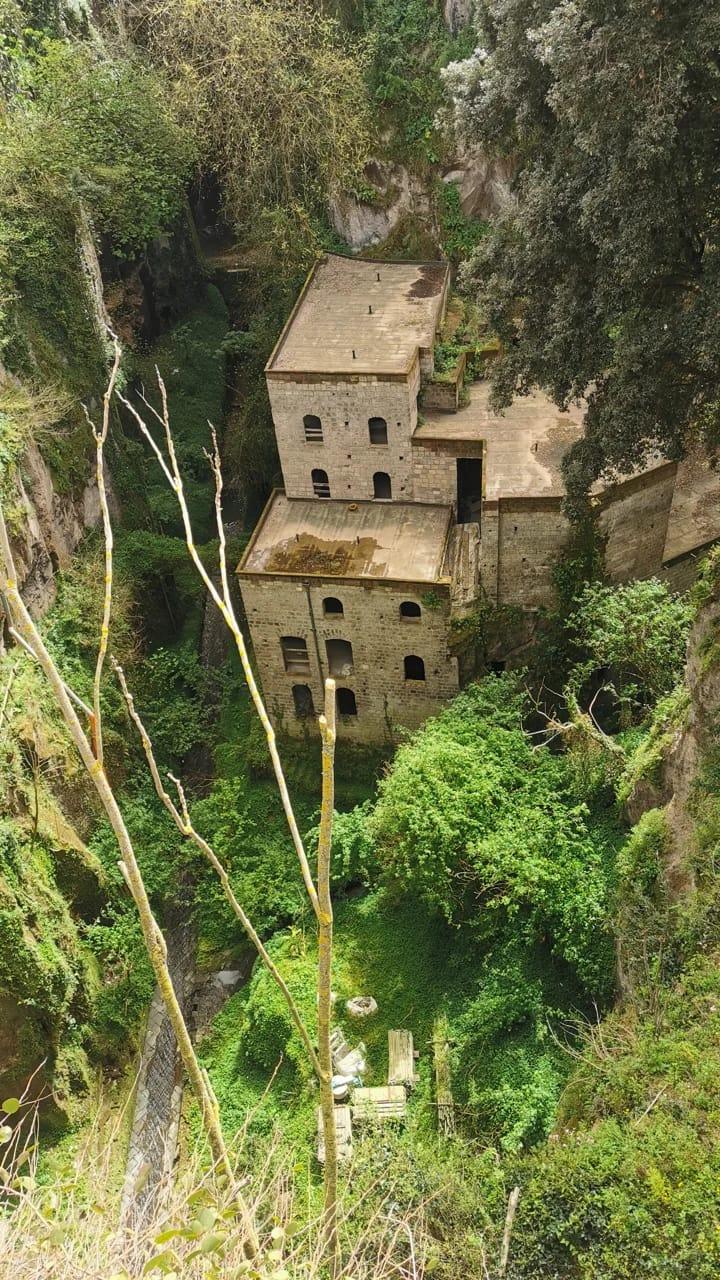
{"type": "Point", "coordinates": [361, 1006]}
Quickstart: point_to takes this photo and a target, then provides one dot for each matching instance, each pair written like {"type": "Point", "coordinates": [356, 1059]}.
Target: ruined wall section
{"type": "Point", "coordinates": [344, 406]}
{"type": "Point", "coordinates": [278, 606]}
{"type": "Point", "coordinates": [523, 539]}
{"type": "Point", "coordinates": [633, 520]}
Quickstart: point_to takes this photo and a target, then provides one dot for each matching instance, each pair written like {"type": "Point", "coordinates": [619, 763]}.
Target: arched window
{"type": "Point", "coordinates": [378, 430]}
{"type": "Point", "coordinates": [313, 429]}
{"type": "Point", "coordinates": [332, 607]}
{"type": "Point", "coordinates": [382, 487]}
{"type": "Point", "coordinates": [320, 483]}
{"type": "Point", "coordinates": [340, 657]}
{"type": "Point", "coordinates": [409, 609]}
{"type": "Point", "coordinates": [295, 655]}
{"type": "Point", "coordinates": [345, 702]}
{"type": "Point", "coordinates": [303, 699]}
{"type": "Point", "coordinates": [414, 667]}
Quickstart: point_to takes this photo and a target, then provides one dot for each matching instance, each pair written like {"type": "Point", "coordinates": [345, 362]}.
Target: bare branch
{"type": "Point", "coordinates": [182, 821]}
{"type": "Point", "coordinates": [100, 437]}
{"type": "Point", "coordinates": [325, 944]}
{"type": "Point", "coordinates": [31, 652]}
{"type": "Point", "coordinates": [509, 1219]}
{"type": "Point", "coordinates": [225, 605]}
{"type": "Point", "coordinates": [24, 626]}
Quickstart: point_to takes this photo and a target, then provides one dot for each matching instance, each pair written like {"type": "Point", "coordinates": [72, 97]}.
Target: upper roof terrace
{"type": "Point", "coordinates": [398, 541]}
{"type": "Point", "coordinates": [358, 317]}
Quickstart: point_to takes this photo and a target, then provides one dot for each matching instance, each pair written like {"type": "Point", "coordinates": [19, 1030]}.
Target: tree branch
{"type": "Point", "coordinates": [182, 821]}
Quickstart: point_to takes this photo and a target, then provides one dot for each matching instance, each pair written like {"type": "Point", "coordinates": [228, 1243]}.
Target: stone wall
{"type": "Point", "coordinates": [380, 638]}
{"type": "Point", "coordinates": [344, 407]}
{"type": "Point", "coordinates": [634, 521]}
{"type": "Point", "coordinates": [523, 539]}
{"type": "Point", "coordinates": [532, 536]}
{"type": "Point", "coordinates": [434, 469]}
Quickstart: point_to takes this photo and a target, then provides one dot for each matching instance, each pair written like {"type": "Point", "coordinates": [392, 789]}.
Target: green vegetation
{"type": "Point", "coordinates": [191, 361]}
{"type": "Point", "coordinates": [282, 150]}
{"type": "Point", "coordinates": [409, 44]}
{"type": "Point", "coordinates": [639, 631]}
{"type": "Point", "coordinates": [86, 142]}
{"type": "Point", "coordinates": [603, 275]}
{"type": "Point", "coordinates": [487, 878]}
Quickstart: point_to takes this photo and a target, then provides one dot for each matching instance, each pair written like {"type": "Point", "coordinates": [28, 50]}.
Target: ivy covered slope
{"type": "Point", "coordinates": [630, 1187]}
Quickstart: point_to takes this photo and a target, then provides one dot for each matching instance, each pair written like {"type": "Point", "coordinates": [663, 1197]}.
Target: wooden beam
{"type": "Point", "coordinates": [443, 1078]}
{"type": "Point", "coordinates": [401, 1059]}
{"type": "Point", "coordinates": [384, 1102]}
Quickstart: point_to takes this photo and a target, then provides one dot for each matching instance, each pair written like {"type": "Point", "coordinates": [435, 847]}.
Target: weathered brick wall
{"type": "Point", "coordinates": [532, 536]}
{"type": "Point", "coordinates": [634, 520]}
{"type": "Point", "coordinates": [344, 407]}
{"type": "Point", "coordinates": [380, 638]}
{"type": "Point", "coordinates": [435, 470]}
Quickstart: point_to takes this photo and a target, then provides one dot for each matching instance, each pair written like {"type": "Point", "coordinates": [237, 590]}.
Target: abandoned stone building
{"type": "Point", "coordinates": [406, 499]}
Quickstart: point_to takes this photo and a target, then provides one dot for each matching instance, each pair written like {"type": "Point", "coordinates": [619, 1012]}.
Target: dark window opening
{"type": "Point", "coordinates": [497, 668]}
{"type": "Point", "coordinates": [409, 609]}
{"type": "Point", "coordinates": [303, 699]}
{"type": "Point", "coordinates": [295, 655]}
{"type": "Point", "coordinates": [378, 430]}
{"type": "Point", "coordinates": [382, 487]}
{"type": "Point", "coordinates": [320, 483]}
{"type": "Point", "coordinates": [469, 490]}
{"type": "Point", "coordinates": [313, 428]}
{"type": "Point", "coordinates": [414, 667]}
{"type": "Point", "coordinates": [340, 657]}
{"type": "Point", "coordinates": [345, 702]}
{"type": "Point", "coordinates": [332, 607]}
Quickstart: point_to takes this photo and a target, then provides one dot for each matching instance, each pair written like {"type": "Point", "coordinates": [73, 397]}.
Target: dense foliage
{"type": "Point", "coordinates": [602, 279]}
{"type": "Point", "coordinates": [487, 830]}
{"type": "Point", "coordinates": [290, 144]}
{"type": "Point", "coordinates": [638, 632]}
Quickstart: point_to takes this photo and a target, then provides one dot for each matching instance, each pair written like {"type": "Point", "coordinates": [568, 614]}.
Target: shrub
{"type": "Point", "coordinates": [487, 831]}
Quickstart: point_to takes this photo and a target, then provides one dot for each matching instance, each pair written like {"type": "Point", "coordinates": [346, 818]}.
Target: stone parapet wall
{"type": "Point", "coordinates": [633, 521]}
{"type": "Point", "coordinates": [380, 638]}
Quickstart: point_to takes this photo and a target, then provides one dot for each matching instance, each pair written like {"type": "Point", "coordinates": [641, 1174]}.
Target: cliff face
{"type": "Point", "coordinates": [48, 527]}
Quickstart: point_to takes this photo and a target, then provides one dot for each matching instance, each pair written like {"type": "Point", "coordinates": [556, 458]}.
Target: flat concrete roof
{"type": "Point", "coordinates": [333, 317]}
{"type": "Point", "coordinates": [525, 444]}
{"type": "Point", "coordinates": [316, 537]}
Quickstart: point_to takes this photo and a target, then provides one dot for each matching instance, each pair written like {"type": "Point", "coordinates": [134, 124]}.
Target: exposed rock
{"type": "Point", "coordinates": [363, 223]}
{"type": "Point", "coordinates": [49, 527]}
{"type": "Point", "coordinates": [457, 14]}
{"type": "Point", "coordinates": [483, 182]}
{"type": "Point", "coordinates": [361, 1006]}
{"type": "Point", "coordinates": [147, 295]}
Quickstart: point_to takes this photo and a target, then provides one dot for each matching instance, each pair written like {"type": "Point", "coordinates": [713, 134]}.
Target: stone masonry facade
{"type": "Point", "coordinates": [380, 637]}
{"type": "Point", "coordinates": [341, 588]}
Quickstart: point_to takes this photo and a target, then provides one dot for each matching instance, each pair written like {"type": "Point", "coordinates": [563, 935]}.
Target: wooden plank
{"type": "Point", "coordinates": [401, 1058]}
{"type": "Point", "coordinates": [343, 1133]}
{"type": "Point", "coordinates": [443, 1079]}
{"type": "Point", "coordinates": [382, 1102]}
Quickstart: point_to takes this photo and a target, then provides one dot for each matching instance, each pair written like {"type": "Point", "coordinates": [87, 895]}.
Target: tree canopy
{"type": "Point", "coordinates": [487, 831]}
{"type": "Point", "coordinates": [603, 278]}
{"type": "Point", "coordinates": [272, 90]}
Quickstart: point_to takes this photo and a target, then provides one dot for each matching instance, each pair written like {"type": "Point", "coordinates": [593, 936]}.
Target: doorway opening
{"type": "Point", "coordinates": [469, 490]}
